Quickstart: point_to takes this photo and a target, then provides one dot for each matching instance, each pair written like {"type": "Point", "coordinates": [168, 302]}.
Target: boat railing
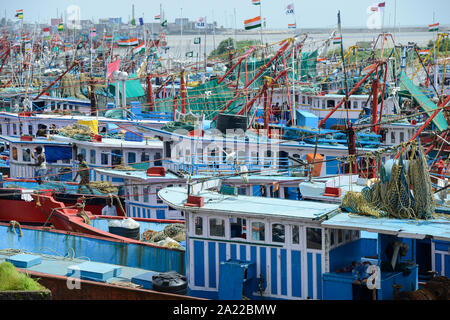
{"type": "Point", "coordinates": [196, 165]}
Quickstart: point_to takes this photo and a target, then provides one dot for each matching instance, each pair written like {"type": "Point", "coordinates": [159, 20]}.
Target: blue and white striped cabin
{"type": "Point", "coordinates": [298, 249]}
{"type": "Point", "coordinates": [287, 243]}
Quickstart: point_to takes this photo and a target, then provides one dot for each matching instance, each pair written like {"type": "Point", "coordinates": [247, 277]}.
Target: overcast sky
{"type": "Point", "coordinates": [308, 13]}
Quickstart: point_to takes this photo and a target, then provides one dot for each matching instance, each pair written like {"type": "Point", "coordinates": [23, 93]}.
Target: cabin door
{"type": "Point", "coordinates": [307, 261]}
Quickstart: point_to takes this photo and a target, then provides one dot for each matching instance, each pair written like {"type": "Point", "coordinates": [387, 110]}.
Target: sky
{"type": "Point", "coordinates": [308, 13]}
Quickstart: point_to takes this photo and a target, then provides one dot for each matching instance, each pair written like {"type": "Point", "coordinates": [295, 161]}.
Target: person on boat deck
{"type": "Point", "coordinates": [83, 172]}
{"type": "Point", "coordinates": [109, 209]}
{"type": "Point", "coordinates": [40, 164]}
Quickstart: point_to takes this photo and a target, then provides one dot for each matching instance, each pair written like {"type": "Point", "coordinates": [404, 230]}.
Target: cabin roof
{"type": "Point", "coordinates": [35, 141]}
{"type": "Point", "coordinates": [101, 120]}
{"type": "Point", "coordinates": [254, 206]}
{"type": "Point", "coordinates": [115, 143]}
{"type": "Point", "coordinates": [252, 139]}
{"type": "Point", "coordinates": [438, 229]}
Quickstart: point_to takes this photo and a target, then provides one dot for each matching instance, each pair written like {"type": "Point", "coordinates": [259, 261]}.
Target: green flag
{"type": "Point", "coordinates": [60, 27]}
{"type": "Point", "coordinates": [133, 22]}
{"type": "Point", "coordinates": [80, 45]}
{"type": "Point", "coordinates": [189, 54]}
{"type": "Point", "coordinates": [197, 40]}
{"type": "Point", "coordinates": [164, 23]}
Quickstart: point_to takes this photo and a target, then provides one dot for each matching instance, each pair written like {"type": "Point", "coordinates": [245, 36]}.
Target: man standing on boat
{"type": "Point", "coordinates": [83, 172]}
{"type": "Point", "coordinates": [109, 209]}
{"type": "Point", "coordinates": [41, 165]}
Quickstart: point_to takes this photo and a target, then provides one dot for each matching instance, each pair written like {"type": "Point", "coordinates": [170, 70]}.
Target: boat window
{"type": "Point", "coordinates": [332, 233]}
{"type": "Point", "coordinates": [323, 104]}
{"type": "Point", "coordinates": [216, 227]}
{"type": "Point", "coordinates": [104, 158]}
{"type": "Point", "coordinates": [200, 154]}
{"type": "Point", "coordinates": [309, 100]}
{"type": "Point", "coordinates": [254, 157]}
{"type": "Point", "coordinates": [340, 236]}
{"type": "Point", "coordinates": [330, 104]}
{"type": "Point", "coordinates": [14, 129]}
{"type": "Point", "coordinates": [347, 235]}
{"type": "Point", "coordinates": [392, 137]}
{"type": "Point", "coordinates": [30, 129]}
{"type": "Point", "coordinates": [198, 226]}
{"type": "Point", "coordinates": [242, 191]}
{"type": "Point", "coordinates": [92, 156]}
{"type": "Point", "coordinates": [116, 157]}
{"type": "Point", "coordinates": [278, 232]}
{"type": "Point", "coordinates": [158, 199]}
{"type": "Point", "coordinates": [26, 155]}
{"type": "Point", "coordinates": [314, 238]}
{"type": "Point", "coordinates": [131, 157]}
{"type": "Point", "coordinates": [238, 228]}
{"type": "Point", "coordinates": [83, 152]}
{"type": "Point", "coordinates": [136, 193]}
{"type": "Point", "coordinates": [295, 235]}
{"type": "Point", "coordinates": [146, 193]}
{"type": "Point", "coordinates": [145, 157]}
{"type": "Point", "coordinates": [14, 153]}
{"type": "Point", "coordinates": [158, 159]}
{"type": "Point", "coordinates": [258, 231]}
{"type": "Point", "coordinates": [355, 104]}
{"type": "Point", "coordinates": [402, 136]}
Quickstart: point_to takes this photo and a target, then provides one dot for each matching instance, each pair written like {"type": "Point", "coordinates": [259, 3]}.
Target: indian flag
{"type": "Point", "coordinates": [19, 14]}
{"type": "Point", "coordinates": [128, 42]}
{"type": "Point", "coordinates": [321, 59]}
{"type": "Point", "coordinates": [424, 52]}
{"type": "Point", "coordinates": [158, 17]}
{"type": "Point", "coordinates": [292, 25]}
{"type": "Point", "coordinates": [139, 48]}
{"type": "Point", "coordinates": [337, 40]}
{"type": "Point", "coordinates": [433, 27]}
{"type": "Point", "coordinates": [256, 2]}
{"type": "Point", "coordinates": [252, 23]}
{"type": "Point", "coordinates": [108, 37]}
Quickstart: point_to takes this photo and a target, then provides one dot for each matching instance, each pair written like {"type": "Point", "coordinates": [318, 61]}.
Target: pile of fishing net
{"type": "Point", "coordinates": [170, 237]}
{"type": "Point", "coordinates": [391, 195]}
{"type": "Point", "coordinates": [13, 280]}
{"type": "Point", "coordinates": [175, 125]}
{"type": "Point", "coordinates": [76, 131]}
{"type": "Point", "coordinates": [103, 187]}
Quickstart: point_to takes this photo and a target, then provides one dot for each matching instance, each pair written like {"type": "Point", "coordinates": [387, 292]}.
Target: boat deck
{"type": "Point", "coordinates": [58, 266]}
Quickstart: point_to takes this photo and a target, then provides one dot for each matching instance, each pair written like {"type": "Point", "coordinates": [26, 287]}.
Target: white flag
{"type": "Point", "coordinates": [201, 23]}
{"type": "Point", "coordinates": [290, 9]}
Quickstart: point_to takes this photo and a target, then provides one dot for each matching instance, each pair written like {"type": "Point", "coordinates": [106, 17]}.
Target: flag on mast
{"type": "Point", "coordinates": [139, 48]}
{"type": "Point", "coordinates": [60, 27]}
{"type": "Point", "coordinates": [256, 2]}
{"type": "Point", "coordinates": [164, 23]}
{"type": "Point", "coordinates": [46, 32]}
{"type": "Point", "coordinates": [197, 40]}
{"type": "Point", "coordinates": [201, 23]}
{"type": "Point", "coordinates": [189, 54]}
{"type": "Point", "coordinates": [337, 40]}
{"type": "Point", "coordinates": [290, 9]}
{"type": "Point", "coordinates": [19, 14]}
{"type": "Point", "coordinates": [141, 21]}
{"type": "Point", "coordinates": [252, 23]}
{"type": "Point", "coordinates": [128, 42]}
{"type": "Point", "coordinates": [292, 25]}
{"type": "Point", "coordinates": [158, 17]}
{"type": "Point", "coordinates": [433, 27]}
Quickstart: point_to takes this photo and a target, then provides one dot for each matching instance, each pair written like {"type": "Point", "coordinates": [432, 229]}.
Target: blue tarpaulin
{"type": "Point", "coordinates": [54, 153]}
